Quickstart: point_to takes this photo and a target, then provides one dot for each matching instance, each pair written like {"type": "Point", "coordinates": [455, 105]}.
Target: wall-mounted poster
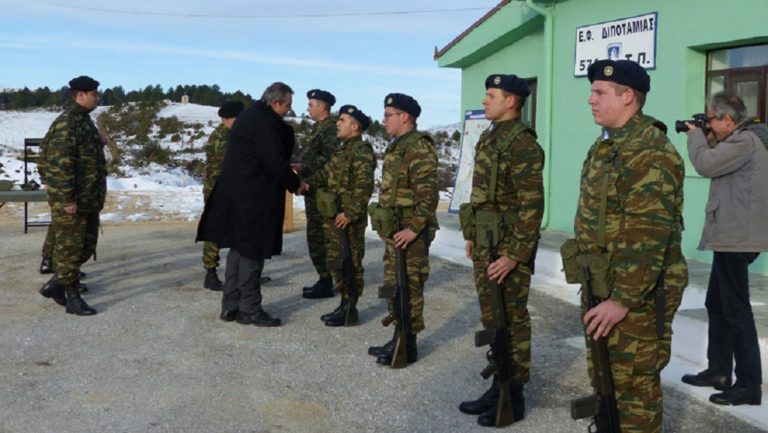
{"type": "Point", "coordinates": [474, 125]}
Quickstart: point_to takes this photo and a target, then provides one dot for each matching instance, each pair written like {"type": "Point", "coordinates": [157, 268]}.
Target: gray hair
{"type": "Point", "coordinates": [277, 91]}
{"type": "Point", "coordinates": [726, 102]}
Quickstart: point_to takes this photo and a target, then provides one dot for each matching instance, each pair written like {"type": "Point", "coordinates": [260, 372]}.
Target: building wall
{"type": "Point", "coordinates": [686, 30]}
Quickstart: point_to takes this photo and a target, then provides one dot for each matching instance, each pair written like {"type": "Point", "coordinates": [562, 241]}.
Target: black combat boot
{"type": "Point", "coordinates": [54, 290]}
{"type": "Point", "coordinates": [46, 265]}
{"type": "Point", "coordinates": [410, 348]}
{"type": "Point", "coordinates": [323, 288]}
{"type": "Point", "coordinates": [325, 316]}
{"type": "Point", "coordinates": [75, 304]}
{"type": "Point", "coordinates": [378, 350]}
{"type": "Point", "coordinates": [212, 281]}
{"type": "Point", "coordinates": [485, 402]}
{"type": "Point", "coordinates": [81, 287]}
{"type": "Point", "coordinates": [346, 316]}
{"type": "Point", "coordinates": [488, 418]}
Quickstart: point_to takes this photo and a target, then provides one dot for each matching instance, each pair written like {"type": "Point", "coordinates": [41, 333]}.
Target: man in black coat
{"type": "Point", "coordinates": [246, 207]}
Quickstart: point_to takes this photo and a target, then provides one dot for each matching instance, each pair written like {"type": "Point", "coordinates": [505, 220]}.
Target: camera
{"type": "Point", "coordinates": [699, 120]}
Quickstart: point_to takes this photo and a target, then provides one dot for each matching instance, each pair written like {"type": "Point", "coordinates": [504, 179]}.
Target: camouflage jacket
{"type": "Point", "coordinates": [349, 174]}
{"type": "Point", "coordinates": [72, 161]}
{"type": "Point", "coordinates": [642, 174]}
{"type": "Point", "coordinates": [519, 190]}
{"type": "Point", "coordinates": [411, 158]}
{"type": "Point", "coordinates": [214, 156]}
{"type": "Point", "coordinates": [320, 146]}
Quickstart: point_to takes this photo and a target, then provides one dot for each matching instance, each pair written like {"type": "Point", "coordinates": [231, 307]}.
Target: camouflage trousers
{"type": "Point", "coordinates": [356, 233]}
{"type": "Point", "coordinates": [417, 268]}
{"type": "Point", "coordinates": [49, 241]}
{"type": "Point", "coordinates": [637, 357]}
{"type": "Point", "coordinates": [316, 236]}
{"type": "Point", "coordinates": [75, 239]}
{"type": "Point", "coordinates": [516, 286]}
{"type": "Point", "coordinates": [210, 255]}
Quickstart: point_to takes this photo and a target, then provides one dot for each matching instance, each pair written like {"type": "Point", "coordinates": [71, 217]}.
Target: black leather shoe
{"type": "Point", "coordinates": [75, 304]}
{"type": "Point", "coordinates": [482, 404]}
{"type": "Point", "coordinates": [228, 316]}
{"type": "Point", "coordinates": [344, 318]}
{"type": "Point", "coordinates": [212, 281]}
{"type": "Point", "coordinates": [488, 418]}
{"type": "Point", "coordinates": [54, 290]}
{"type": "Point", "coordinates": [323, 288]}
{"type": "Point", "coordinates": [385, 358]}
{"type": "Point", "coordinates": [737, 395]}
{"type": "Point", "coordinates": [259, 318]}
{"type": "Point", "coordinates": [705, 378]}
{"type": "Point", "coordinates": [46, 265]}
{"type": "Point", "coordinates": [325, 317]}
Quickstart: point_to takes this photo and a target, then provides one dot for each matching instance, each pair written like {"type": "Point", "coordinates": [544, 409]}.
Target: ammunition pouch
{"type": "Point", "coordinates": [326, 203]}
{"type": "Point", "coordinates": [488, 222]}
{"type": "Point", "coordinates": [579, 267]}
{"type": "Point", "coordinates": [382, 220]}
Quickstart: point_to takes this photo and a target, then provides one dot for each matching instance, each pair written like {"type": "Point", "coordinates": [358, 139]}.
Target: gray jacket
{"type": "Point", "coordinates": [737, 207]}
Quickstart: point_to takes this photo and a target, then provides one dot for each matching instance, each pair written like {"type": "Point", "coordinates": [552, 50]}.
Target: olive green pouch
{"type": "Point", "coordinates": [382, 220]}
{"type": "Point", "coordinates": [488, 226]}
{"type": "Point", "coordinates": [599, 265]}
{"type": "Point", "coordinates": [467, 221]}
{"type": "Point", "coordinates": [326, 203]}
{"type": "Point", "coordinates": [568, 252]}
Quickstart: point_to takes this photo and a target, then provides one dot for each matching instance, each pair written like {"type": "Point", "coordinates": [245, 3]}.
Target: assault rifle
{"type": "Point", "coordinates": [402, 302]}
{"type": "Point", "coordinates": [497, 337]}
{"type": "Point", "coordinates": [601, 406]}
{"type": "Point", "coordinates": [348, 272]}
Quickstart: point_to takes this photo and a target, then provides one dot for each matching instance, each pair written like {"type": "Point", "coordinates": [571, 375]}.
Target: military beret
{"type": "Point", "coordinates": [322, 95]}
{"type": "Point", "coordinates": [624, 72]}
{"type": "Point", "coordinates": [231, 109]}
{"type": "Point", "coordinates": [403, 102]}
{"type": "Point", "coordinates": [83, 83]}
{"type": "Point", "coordinates": [508, 83]}
{"type": "Point", "coordinates": [355, 112]}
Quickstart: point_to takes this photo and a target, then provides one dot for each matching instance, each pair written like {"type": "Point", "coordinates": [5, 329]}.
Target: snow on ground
{"type": "Point", "coordinates": [193, 113]}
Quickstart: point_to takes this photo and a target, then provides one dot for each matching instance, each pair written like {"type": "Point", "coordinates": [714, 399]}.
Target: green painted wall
{"type": "Point", "coordinates": [686, 30]}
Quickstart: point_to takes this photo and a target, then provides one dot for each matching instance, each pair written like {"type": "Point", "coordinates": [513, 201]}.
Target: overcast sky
{"type": "Point", "coordinates": [360, 57]}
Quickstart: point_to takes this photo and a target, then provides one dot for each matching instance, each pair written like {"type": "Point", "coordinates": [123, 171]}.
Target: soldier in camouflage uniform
{"type": "Point", "coordinates": [507, 184]}
{"type": "Point", "coordinates": [347, 180]}
{"type": "Point", "coordinates": [214, 155]}
{"type": "Point", "coordinates": [75, 170]}
{"type": "Point", "coordinates": [409, 182]}
{"type": "Point", "coordinates": [46, 262]}
{"type": "Point", "coordinates": [632, 179]}
{"type": "Point", "coordinates": [318, 149]}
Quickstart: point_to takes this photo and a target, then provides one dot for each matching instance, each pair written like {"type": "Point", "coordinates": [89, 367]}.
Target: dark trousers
{"type": "Point", "coordinates": [242, 290]}
{"type": "Point", "coordinates": [732, 333]}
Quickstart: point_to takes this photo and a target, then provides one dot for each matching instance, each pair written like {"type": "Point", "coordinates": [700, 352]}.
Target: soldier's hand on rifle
{"type": "Point", "coordinates": [403, 238]}
{"type": "Point", "coordinates": [601, 319]}
{"type": "Point", "coordinates": [342, 221]}
{"type": "Point", "coordinates": [499, 269]}
{"type": "Point", "coordinates": [70, 208]}
{"type": "Point", "coordinates": [468, 248]}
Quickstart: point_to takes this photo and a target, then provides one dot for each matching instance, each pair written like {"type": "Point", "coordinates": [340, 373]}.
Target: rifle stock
{"type": "Point", "coordinates": [402, 302]}
{"type": "Point", "coordinates": [348, 272]}
{"type": "Point", "coordinates": [497, 337]}
{"type": "Point", "coordinates": [601, 406]}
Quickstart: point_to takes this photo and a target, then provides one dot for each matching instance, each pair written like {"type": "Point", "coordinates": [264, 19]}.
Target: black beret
{"type": "Point", "coordinates": [624, 72]}
{"type": "Point", "coordinates": [508, 83]}
{"type": "Point", "coordinates": [322, 95]}
{"type": "Point", "coordinates": [231, 109]}
{"type": "Point", "coordinates": [403, 102]}
{"type": "Point", "coordinates": [355, 112]}
{"type": "Point", "coordinates": [83, 83]}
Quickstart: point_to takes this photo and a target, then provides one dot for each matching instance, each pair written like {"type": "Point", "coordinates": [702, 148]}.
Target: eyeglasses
{"type": "Point", "coordinates": [388, 115]}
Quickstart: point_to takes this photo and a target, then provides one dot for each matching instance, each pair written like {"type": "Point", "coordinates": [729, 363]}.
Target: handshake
{"type": "Point", "coordinates": [303, 188]}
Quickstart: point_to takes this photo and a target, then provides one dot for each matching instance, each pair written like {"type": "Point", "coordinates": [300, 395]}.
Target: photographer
{"type": "Point", "coordinates": [735, 231]}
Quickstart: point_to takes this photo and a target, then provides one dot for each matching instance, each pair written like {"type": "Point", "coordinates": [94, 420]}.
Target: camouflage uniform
{"type": "Point", "coordinates": [72, 156]}
{"type": "Point", "coordinates": [518, 196]}
{"type": "Point", "coordinates": [644, 175]}
{"type": "Point", "coordinates": [321, 145]}
{"type": "Point", "coordinates": [414, 158]}
{"type": "Point", "coordinates": [349, 175]}
{"type": "Point", "coordinates": [214, 156]}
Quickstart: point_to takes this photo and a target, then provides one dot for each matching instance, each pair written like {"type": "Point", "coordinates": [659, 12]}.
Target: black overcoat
{"type": "Point", "coordinates": [246, 207]}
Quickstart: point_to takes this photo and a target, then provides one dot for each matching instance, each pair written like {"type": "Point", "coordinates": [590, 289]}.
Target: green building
{"type": "Point", "coordinates": [691, 49]}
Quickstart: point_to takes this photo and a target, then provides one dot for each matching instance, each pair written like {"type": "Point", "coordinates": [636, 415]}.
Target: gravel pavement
{"type": "Point", "coordinates": [157, 358]}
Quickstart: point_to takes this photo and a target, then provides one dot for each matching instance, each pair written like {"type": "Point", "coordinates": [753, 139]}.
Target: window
{"type": "Point", "coordinates": [529, 111]}
{"type": "Point", "coordinates": [742, 70]}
